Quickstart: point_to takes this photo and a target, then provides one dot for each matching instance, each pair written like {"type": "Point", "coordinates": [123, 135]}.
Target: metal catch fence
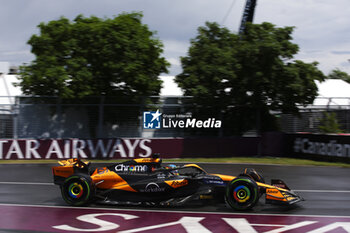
{"type": "Point", "coordinates": [98, 117]}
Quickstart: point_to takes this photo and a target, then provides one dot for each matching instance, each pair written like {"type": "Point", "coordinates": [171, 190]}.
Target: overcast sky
{"type": "Point", "coordinates": [322, 26]}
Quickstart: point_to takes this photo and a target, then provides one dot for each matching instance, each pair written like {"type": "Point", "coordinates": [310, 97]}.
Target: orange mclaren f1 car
{"type": "Point", "coordinates": [146, 182]}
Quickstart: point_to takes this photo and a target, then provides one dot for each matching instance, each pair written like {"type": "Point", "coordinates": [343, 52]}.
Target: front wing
{"type": "Point", "coordinates": [278, 193]}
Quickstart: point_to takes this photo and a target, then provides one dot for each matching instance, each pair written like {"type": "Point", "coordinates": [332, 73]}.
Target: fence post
{"type": "Point", "coordinates": [15, 113]}
{"type": "Point", "coordinates": [100, 117]}
{"type": "Point", "coordinates": [258, 130]}
{"type": "Point", "coordinates": [142, 109]}
{"type": "Point", "coordinates": [60, 131]}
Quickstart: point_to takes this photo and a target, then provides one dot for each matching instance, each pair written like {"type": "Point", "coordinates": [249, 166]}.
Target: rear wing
{"type": "Point", "coordinates": [67, 168]}
{"type": "Point", "coordinates": [73, 162]}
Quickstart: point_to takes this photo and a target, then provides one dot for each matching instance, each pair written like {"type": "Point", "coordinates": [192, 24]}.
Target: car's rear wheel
{"type": "Point", "coordinates": [242, 193]}
{"type": "Point", "coordinates": [77, 190]}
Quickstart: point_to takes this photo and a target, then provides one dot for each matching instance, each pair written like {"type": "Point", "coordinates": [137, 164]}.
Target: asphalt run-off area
{"type": "Point", "coordinates": [29, 202]}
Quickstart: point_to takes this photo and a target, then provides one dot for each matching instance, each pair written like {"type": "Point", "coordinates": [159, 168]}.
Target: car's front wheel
{"type": "Point", "coordinates": [77, 190]}
{"type": "Point", "coordinates": [242, 193]}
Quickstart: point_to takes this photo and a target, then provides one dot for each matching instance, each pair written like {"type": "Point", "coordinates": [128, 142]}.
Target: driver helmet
{"type": "Point", "coordinates": [172, 166]}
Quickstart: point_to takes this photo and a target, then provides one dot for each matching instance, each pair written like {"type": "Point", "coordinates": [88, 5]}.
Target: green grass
{"type": "Point", "coordinates": [238, 160]}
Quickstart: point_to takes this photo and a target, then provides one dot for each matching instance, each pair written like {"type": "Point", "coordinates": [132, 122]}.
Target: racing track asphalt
{"type": "Point", "coordinates": [326, 190]}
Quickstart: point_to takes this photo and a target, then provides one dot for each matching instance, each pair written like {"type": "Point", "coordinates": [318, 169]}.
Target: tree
{"type": "Point", "coordinates": [242, 78]}
{"type": "Point", "coordinates": [338, 74]}
{"type": "Point", "coordinates": [329, 123]}
{"type": "Point", "coordinates": [118, 58]}
{"type": "Point", "coordinates": [92, 57]}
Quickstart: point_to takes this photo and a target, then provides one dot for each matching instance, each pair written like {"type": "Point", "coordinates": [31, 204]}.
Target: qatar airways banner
{"type": "Point", "coordinates": [75, 148]}
{"type": "Point", "coordinates": [124, 148]}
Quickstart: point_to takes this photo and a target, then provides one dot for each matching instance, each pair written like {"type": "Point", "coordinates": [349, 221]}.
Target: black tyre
{"type": "Point", "coordinates": [77, 190]}
{"type": "Point", "coordinates": [242, 193]}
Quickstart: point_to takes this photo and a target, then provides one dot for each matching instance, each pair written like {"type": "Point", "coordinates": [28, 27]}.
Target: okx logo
{"type": "Point", "coordinates": [152, 120]}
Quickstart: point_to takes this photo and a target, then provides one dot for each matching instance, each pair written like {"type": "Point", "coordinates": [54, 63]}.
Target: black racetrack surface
{"type": "Point", "coordinates": [326, 190]}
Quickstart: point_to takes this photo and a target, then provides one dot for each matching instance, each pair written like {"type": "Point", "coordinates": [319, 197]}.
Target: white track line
{"type": "Point", "coordinates": [26, 183]}
{"type": "Point", "coordinates": [301, 191]}
{"type": "Point", "coordinates": [322, 191]}
{"type": "Point", "coordinates": [166, 211]}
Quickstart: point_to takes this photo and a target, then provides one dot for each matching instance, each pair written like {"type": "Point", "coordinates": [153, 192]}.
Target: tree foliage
{"type": "Point", "coordinates": [92, 56]}
{"type": "Point", "coordinates": [244, 77]}
{"type": "Point", "coordinates": [338, 74]}
{"type": "Point", "coordinates": [329, 123]}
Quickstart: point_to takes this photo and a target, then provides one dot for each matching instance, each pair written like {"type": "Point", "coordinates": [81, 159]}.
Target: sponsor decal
{"type": "Point", "coordinates": [272, 191]}
{"type": "Point", "coordinates": [217, 182]}
{"type": "Point", "coordinates": [330, 148]}
{"type": "Point", "coordinates": [63, 171]}
{"type": "Point", "coordinates": [179, 183]}
{"type": "Point", "coordinates": [157, 120]}
{"type": "Point", "coordinates": [101, 171]}
{"type": "Point", "coordinates": [280, 186]}
{"type": "Point", "coordinates": [161, 176]}
{"type": "Point", "coordinates": [152, 188]}
{"type": "Point", "coordinates": [147, 160]}
{"type": "Point", "coordinates": [130, 168]}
